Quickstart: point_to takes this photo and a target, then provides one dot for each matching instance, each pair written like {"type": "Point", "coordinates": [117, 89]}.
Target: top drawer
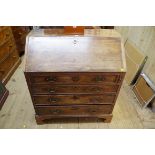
{"type": "Point", "coordinates": [75, 78]}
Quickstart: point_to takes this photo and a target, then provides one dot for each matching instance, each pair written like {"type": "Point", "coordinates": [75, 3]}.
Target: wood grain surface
{"type": "Point", "coordinates": [60, 53]}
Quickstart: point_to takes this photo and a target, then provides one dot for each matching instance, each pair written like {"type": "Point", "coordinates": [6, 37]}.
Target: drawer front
{"type": "Point", "coordinates": [5, 35]}
{"type": "Point", "coordinates": [73, 99]}
{"type": "Point", "coordinates": [74, 78]}
{"type": "Point", "coordinates": [73, 89]}
{"type": "Point", "coordinates": [6, 49]}
{"type": "Point", "coordinates": [7, 64]}
{"type": "Point", "coordinates": [76, 110]}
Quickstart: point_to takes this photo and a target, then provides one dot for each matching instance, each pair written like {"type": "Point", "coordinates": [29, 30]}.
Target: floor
{"type": "Point", "coordinates": [18, 111]}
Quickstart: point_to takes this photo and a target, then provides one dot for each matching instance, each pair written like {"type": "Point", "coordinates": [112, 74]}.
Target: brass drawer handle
{"type": "Point", "coordinates": [51, 79]}
{"type": "Point", "coordinates": [96, 89]}
{"type": "Point", "coordinates": [92, 110]}
{"type": "Point", "coordinates": [99, 78]}
{"type": "Point", "coordinates": [74, 108]}
{"type": "Point", "coordinates": [75, 97]}
{"type": "Point", "coordinates": [56, 111]}
{"type": "Point", "coordinates": [98, 100]}
{"type": "Point", "coordinates": [75, 78]}
{"type": "Point", "coordinates": [110, 95]}
{"type": "Point", "coordinates": [53, 100]}
{"type": "Point", "coordinates": [51, 90]}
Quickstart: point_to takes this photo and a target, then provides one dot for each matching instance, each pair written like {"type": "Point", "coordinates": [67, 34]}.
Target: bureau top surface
{"type": "Point", "coordinates": [95, 51]}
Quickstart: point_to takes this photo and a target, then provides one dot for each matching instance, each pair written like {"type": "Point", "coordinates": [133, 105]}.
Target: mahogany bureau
{"type": "Point", "coordinates": [74, 75]}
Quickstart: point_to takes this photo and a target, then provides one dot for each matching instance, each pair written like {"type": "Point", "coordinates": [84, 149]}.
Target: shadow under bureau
{"type": "Point", "coordinates": [74, 75]}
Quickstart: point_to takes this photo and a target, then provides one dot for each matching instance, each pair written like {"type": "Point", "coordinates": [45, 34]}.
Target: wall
{"type": "Point", "coordinates": [144, 38]}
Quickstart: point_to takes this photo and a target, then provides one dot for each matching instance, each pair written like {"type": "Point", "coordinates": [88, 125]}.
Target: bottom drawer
{"type": "Point", "coordinates": [76, 110]}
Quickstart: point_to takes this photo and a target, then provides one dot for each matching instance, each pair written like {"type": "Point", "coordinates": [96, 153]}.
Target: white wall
{"type": "Point", "coordinates": [144, 38]}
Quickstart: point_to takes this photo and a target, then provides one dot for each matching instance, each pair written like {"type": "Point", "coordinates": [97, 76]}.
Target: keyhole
{"type": "Point", "coordinates": [75, 41]}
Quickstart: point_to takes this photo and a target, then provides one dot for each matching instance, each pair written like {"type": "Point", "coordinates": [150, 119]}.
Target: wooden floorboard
{"type": "Point", "coordinates": [88, 123]}
{"type": "Point", "coordinates": [18, 111]}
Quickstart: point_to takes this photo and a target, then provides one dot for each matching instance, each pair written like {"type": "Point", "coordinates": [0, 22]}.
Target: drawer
{"type": "Point", "coordinates": [75, 78]}
{"type": "Point", "coordinates": [6, 49]}
{"type": "Point", "coordinates": [5, 35]}
{"type": "Point", "coordinates": [73, 89]}
{"type": "Point", "coordinates": [73, 99]}
{"type": "Point", "coordinates": [7, 64]}
{"type": "Point", "coordinates": [76, 110]}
